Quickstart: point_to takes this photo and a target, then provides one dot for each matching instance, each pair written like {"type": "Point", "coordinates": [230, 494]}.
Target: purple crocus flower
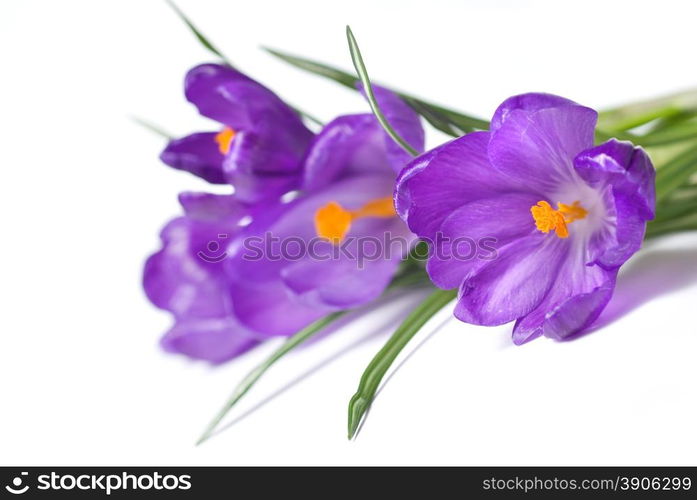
{"type": "Point", "coordinates": [341, 255]}
{"type": "Point", "coordinates": [226, 298]}
{"type": "Point", "coordinates": [565, 215]}
{"type": "Point", "coordinates": [260, 146]}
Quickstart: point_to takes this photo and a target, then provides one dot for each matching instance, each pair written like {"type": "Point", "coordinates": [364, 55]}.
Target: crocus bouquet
{"type": "Point", "coordinates": [526, 218]}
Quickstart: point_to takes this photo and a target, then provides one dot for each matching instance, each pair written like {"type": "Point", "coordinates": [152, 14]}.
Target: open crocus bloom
{"type": "Point", "coordinates": [339, 243]}
{"type": "Point", "coordinates": [565, 215]}
{"type": "Point", "coordinates": [261, 142]}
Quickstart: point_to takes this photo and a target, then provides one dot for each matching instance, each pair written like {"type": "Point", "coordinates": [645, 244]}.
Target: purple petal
{"type": "Point", "coordinates": [526, 102]}
{"type": "Point", "coordinates": [212, 339]}
{"type": "Point", "coordinates": [578, 312]}
{"type": "Point", "coordinates": [536, 149]}
{"type": "Point", "coordinates": [631, 176]}
{"type": "Point", "coordinates": [270, 309]}
{"type": "Point", "coordinates": [440, 181]}
{"type": "Point", "coordinates": [198, 154]}
{"type": "Point", "coordinates": [357, 275]}
{"type": "Point", "coordinates": [404, 120]}
{"type": "Point", "coordinates": [294, 221]}
{"type": "Point", "coordinates": [514, 283]}
{"type": "Point", "coordinates": [232, 98]}
{"type": "Point", "coordinates": [579, 294]}
{"type": "Point", "coordinates": [357, 144]}
{"type": "Point", "coordinates": [203, 87]}
{"type": "Point", "coordinates": [185, 276]}
{"type": "Point", "coordinates": [348, 145]}
{"type": "Point", "coordinates": [270, 139]}
{"type": "Point", "coordinates": [469, 237]}
{"type": "Point", "coordinates": [314, 273]}
{"type": "Point", "coordinates": [260, 168]}
{"type": "Point", "coordinates": [626, 167]}
{"type": "Point", "coordinates": [341, 284]}
{"type": "Point", "coordinates": [212, 207]}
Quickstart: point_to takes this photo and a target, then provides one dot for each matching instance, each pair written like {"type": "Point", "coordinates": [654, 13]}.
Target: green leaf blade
{"type": "Point", "coordinates": [199, 36]}
{"type": "Point", "coordinates": [451, 122]}
{"type": "Point", "coordinates": [676, 173]}
{"type": "Point", "coordinates": [687, 222]}
{"type": "Point", "coordinates": [669, 135]}
{"type": "Point", "coordinates": [376, 370]}
{"type": "Point", "coordinates": [339, 76]}
{"type": "Point", "coordinates": [155, 129]}
{"type": "Point", "coordinates": [638, 113]}
{"type": "Point", "coordinates": [370, 95]}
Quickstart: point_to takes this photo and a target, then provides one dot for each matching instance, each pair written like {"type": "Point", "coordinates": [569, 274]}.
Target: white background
{"type": "Point", "coordinates": [83, 196]}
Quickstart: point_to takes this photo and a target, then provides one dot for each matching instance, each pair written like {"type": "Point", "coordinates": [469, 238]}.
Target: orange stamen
{"type": "Point", "coordinates": [224, 140]}
{"type": "Point", "coordinates": [332, 221]}
{"type": "Point", "coordinates": [547, 219]}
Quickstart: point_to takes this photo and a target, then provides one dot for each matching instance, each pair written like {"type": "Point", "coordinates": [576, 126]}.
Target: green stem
{"type": "Point", "coordinates": [374, 373]}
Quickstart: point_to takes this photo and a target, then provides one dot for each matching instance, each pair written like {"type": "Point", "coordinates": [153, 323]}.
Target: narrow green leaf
{"type": "Point", "coordinates": [201, 38]}
{"type": "Point", "coordinates": [680, 202]}
{"type": "Point", "coordinates": [446, 120]}
{"type": "Point", "coordinates": [370, 95]}
{"type": "Point", "coordinates": [456, 118]}
{"type": "Point", "coordinates": [604, 135]}
{"type": "Point", "coordinates": [668, 135]}
{"type": "Point", "coordinates": [246, 384]}
{"type": "Point", "coordinates": [634, 121]}
{"type": "Point", "coordinates": [373, 374]}
{"type": "Point", "coordinates": [436, 119]}
{"type": "Point", "coordinates": [639, 113]}
{"type": "Point", "coordinates": [670, 210]}
{"type": "Point", "coordinates": [308, 116]}
{"type": "Point", "coordinates": [407, 277]}
{"type": "Point", "coordinates": [686, 192]}
{"type": "Point", "coordinates": [212, 48]}
{"type": "Point", "coordinates": [675, 173]}
{"type": "Point", "coordinates": [152, 127]}
{"type": "Point", "coordinates": [454, 123]}
{"type": "Point", "coordinates": [320, 69]}
{"type": "Point", "coordinates": [664, 155]}
{"type": "Point", "coordinates": [687, 222]}
{"type": "Point", "coordinates": [674, 121]}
